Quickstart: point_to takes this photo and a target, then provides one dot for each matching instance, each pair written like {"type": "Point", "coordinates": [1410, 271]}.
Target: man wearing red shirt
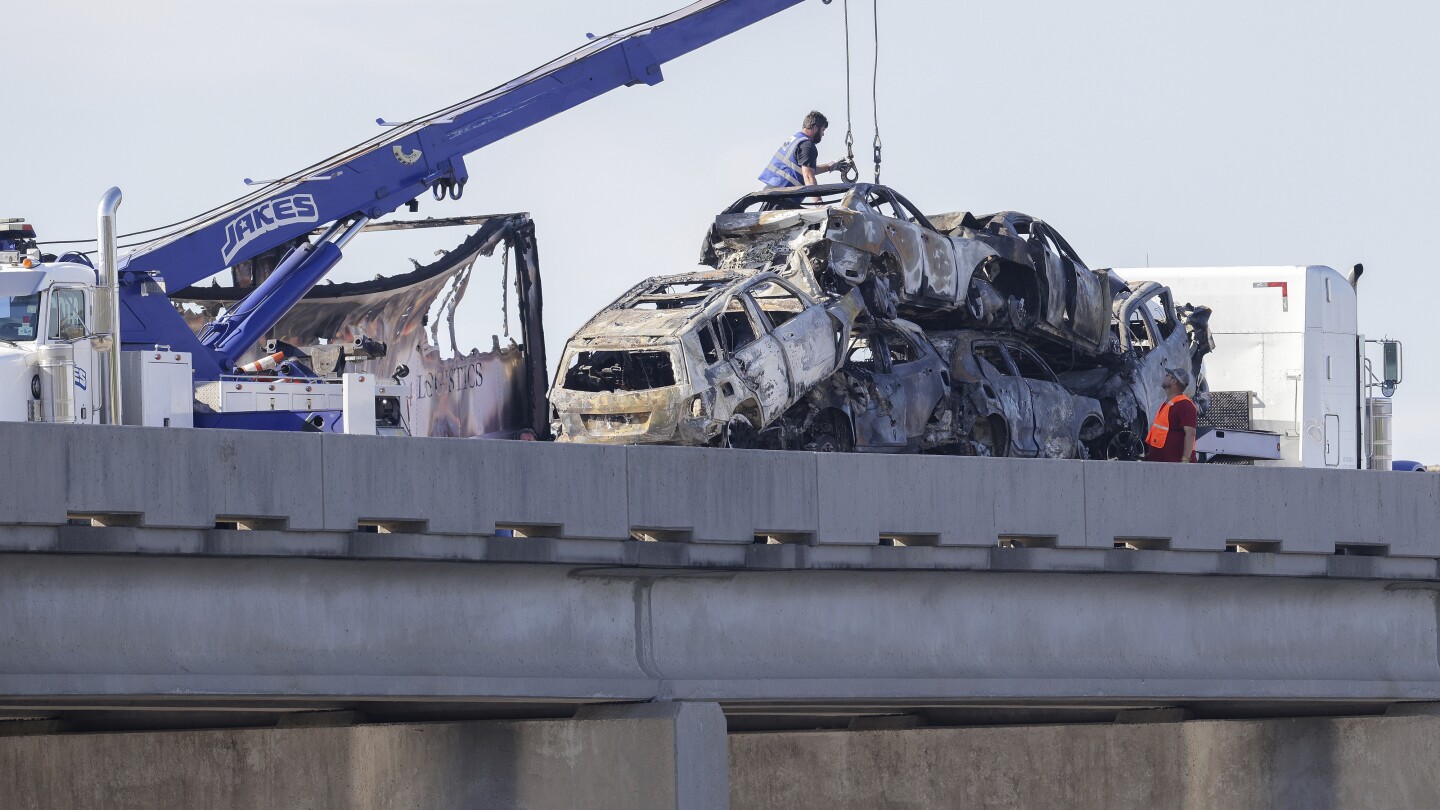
{"type": "Point", "coordinates": [1172, 437]}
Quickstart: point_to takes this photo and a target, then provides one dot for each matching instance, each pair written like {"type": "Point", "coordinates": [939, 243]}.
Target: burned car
{"type": "Point", "coordinates": [892, 394]}
{"type": "Point", "coordinates": [1151, 336]}
{"type": "Point", "coordinates": [963, 392]}
{"type": "Point", "coordinates": [1010, 403]}
{"type": "Point", "coordinates": [796, 339]}
{"type": "Point", "coordinates": [956, 270]}
{"type": "Point", "coordinates": [712, 357]}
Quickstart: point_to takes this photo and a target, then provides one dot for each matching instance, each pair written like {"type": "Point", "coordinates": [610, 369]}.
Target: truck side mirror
{"type": "Point", "coordinates": [1393, 366]}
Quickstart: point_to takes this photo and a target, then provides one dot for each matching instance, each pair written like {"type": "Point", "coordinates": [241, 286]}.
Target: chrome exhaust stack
{"type": "Point", "coordinates": [107, 303]}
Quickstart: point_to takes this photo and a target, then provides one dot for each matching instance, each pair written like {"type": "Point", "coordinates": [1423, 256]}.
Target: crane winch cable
{"type": "Point", "coordinates": [874, 85]}
{"type": "Point", "coordinates": [849, 174]}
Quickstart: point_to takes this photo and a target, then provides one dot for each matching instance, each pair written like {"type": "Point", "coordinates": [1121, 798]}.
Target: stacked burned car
{"type": "Point", "coordinates": [700, 358]}
{"type": "Point", "coordinates": [948, 333]}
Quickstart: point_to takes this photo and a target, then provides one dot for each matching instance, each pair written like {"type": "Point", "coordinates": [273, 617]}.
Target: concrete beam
{"type": "Point", "coordinates": [81, 626]}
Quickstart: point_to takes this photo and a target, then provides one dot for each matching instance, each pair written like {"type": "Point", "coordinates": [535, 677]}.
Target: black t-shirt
{"type": "Point", "coordinates": [806, 153]}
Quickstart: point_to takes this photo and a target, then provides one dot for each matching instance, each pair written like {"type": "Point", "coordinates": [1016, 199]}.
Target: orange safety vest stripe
{"type": "Point", "coordinates": [1158, 431]}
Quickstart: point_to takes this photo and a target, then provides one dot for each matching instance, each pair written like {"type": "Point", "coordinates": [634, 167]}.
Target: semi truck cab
{"type": "Point", "coordinates": [48, 364]}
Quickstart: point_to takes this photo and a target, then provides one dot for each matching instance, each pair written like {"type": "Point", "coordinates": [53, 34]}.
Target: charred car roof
{"type": "Point", "coordinates": [831, 194]}
{"type": "Point", "coordinates": [666, 306]}
{"type": "Point", "coordinates": [781, 197]}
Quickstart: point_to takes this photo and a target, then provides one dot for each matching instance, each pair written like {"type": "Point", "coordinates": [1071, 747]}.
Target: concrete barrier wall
{"type": "Point", "coordinates": [1301, 764]}
{"type": "Point", "coordinates": [298, 482]}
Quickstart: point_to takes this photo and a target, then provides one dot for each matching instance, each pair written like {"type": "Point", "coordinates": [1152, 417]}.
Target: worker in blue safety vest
{"type": "Point", "coordinates": [794, 163]}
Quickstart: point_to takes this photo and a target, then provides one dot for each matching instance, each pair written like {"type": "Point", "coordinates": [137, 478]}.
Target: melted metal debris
{"type": "Point", "coordinates": [474, 393]}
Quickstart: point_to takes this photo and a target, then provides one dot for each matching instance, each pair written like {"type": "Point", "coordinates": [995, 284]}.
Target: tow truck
{"type": "Point", "coordinates": [103, 343]}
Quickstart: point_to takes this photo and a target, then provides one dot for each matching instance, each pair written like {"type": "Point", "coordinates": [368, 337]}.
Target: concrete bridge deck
{"type": "Point", "coordinates": [229, 571]}
{"type": "Point", "coordinates": [587, 623]}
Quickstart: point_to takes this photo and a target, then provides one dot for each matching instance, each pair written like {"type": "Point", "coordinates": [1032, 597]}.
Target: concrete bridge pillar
{"type": "Point", "coordinates": [666, 756]}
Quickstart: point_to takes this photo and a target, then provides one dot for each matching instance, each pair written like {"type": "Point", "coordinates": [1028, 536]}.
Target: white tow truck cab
{"type": "Point", "coordinates": [49, 369]}
{"type": "Point", "coordinates": [1288, 375]}
{"type": "Point", "coordinates": [54, 347]}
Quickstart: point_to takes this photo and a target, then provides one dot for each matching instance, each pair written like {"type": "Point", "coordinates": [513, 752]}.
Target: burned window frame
{"type": "Point", "coordinates": [1008, 370]}
{"type": "Point", "coordinates": [879, 362]}
{"type": "Point", "coordinates": [764, 314]}
{"type": "Point", "coordinates": [896, 337]}
{"type": "Point", "coordinates": [727, 348]}
{"type": "Point", "coordinates": [570, 381]}
{"type": "Point", "coordinates": [905, 206]}
{"type": "Point", "coordinates": [1152, 337]}
{"type": "Point", "coordinates": [1165, 301]}
{"type": "Point", "coordinates": [705, 334]}
{"type": "Point", "coordinates": [1017, 351]}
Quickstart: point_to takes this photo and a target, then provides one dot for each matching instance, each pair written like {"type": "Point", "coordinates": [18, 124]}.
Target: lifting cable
{"type": "Point", "coordinates": [875, 86]}
{"type": "Point", "coordinates": [852, 174]}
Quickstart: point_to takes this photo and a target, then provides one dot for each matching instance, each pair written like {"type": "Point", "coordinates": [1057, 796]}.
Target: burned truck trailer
{"type": "Point", "coordinates": [395, 326]}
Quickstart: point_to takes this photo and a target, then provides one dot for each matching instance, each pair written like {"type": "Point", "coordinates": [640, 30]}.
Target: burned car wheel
{"type": "Point", "coordinates": [990, 437]}
{"type": "Point", "coordinates": [831, 436]}
{"type": "Point", "coordinates": [739, 432]}
{"type": "Point", "coordinates": [1124, 445]}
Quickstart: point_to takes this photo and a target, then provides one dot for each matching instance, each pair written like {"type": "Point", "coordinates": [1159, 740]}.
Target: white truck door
{"type": "Point", "coordinates": [68, 320]}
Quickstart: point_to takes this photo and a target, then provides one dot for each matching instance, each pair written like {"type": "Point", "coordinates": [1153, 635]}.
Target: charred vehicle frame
{"type": "Point", "coordinates": [956, 270]}
{"type": "Point", "coordinates": [712, 357]}
{"type": "Point", "coordinates": [1009, 402]}
{"type": "Point", "coordinates": [893, 394]}
{"type": "Point", "coordinates": [992, 306]}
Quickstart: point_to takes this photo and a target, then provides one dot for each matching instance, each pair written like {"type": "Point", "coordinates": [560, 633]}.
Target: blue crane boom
{"type": "Point", "coordinates": [376, 177]}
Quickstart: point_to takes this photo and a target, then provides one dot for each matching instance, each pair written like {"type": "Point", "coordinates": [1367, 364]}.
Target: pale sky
{"type": "Point", "coordinates": [1222, 133]}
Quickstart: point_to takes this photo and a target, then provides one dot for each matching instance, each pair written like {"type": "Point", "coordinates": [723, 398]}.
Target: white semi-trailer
{"type": "Point", "coordinates": [1289, 375]}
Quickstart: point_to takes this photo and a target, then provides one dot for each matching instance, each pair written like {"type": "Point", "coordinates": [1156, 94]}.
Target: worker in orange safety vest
{"type": "Point", "coordinates": [1172, 437]}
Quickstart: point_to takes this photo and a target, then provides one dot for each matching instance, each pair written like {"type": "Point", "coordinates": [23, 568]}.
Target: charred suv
{"type": "Point", "coordinates": [842, 318]}
{"type": "Point", "coordinates": [968, 392]}
{"type": "Point", "coordinates": [1003, 271]}
{"type": "Point", "coordinates": [713, 357]}
{"type": "Point", "coordinates": [1006, 273]}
